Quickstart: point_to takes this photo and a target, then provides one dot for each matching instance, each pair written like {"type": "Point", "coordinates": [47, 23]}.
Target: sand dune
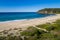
{"type": "Point", "coordinates": [26, 23]}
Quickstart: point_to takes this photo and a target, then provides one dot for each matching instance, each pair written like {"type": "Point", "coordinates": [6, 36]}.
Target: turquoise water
{"type": "Point", "coordinates": [8, 16]}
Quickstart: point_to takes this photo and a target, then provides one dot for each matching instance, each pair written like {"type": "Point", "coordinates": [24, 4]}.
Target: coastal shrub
{"type": "Point", "coordinates": [10, 37]}
{"type": "Point", "coordinates": [57, 36]}
{"type": "Point", "coordinates": [13, 37]}
{"type": "Point", "coordinates": [57, 26]}
{"type": "Point", "coordinates": [50, 28]}
{"type": "Point", "coordinates": [2, 38]}
{"type": "Point", "coordinates": [57, 21]}
{"type": "Point", "coordinates": [32, 38]}
{"type": "Point", "coordinates": [47, 36]}
{"type": "Point", "coordinates": [43, 26]}
{"type": "Point", "coordinates": [5, 32]}
{"type": "Point", "coordinates": [19, 29]}
{"type": "Point", "coordinates": [30, 32]}
{"type": "Point", "coordinates": [15, 28]}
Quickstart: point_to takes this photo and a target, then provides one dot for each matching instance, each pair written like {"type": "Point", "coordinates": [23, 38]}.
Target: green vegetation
{"type": "Point", "coordinates": [53, 34]}
{"type": "Point", "coordinates": [50, 10]}
{"type": "Point", "coordinates": [33, 33]}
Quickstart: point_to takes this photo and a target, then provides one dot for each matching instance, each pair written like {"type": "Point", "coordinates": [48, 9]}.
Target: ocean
{"type": "Point", "coordinates": [9, 16]}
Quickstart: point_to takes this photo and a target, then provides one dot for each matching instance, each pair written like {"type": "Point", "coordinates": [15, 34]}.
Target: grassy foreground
{"type": "Point", "coordinates": [33, 33]}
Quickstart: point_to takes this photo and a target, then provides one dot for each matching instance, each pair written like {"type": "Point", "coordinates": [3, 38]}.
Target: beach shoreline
{"type": "Point", "coordinates": [24, 19]}
{"type": "Point", "coordinates": [28, 22]}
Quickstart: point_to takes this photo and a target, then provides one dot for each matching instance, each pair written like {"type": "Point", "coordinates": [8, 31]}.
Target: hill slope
{"type": "Point", "coordinates": [50, 10]}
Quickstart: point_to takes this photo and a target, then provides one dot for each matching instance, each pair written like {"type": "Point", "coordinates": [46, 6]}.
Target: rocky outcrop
{"type": "Point", "coordinates": [49, 11]}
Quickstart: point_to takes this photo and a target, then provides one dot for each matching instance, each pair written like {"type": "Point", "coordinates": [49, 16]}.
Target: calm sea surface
{"type": "Point", "coordinates": [8, 16]}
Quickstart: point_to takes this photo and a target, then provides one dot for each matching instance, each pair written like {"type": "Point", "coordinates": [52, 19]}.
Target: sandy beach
{"type": "Point", "coordinates": [29, 22]}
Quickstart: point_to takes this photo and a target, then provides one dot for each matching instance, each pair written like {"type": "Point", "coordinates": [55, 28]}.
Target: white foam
{"type": "Point", "coordinates": [25, 19]}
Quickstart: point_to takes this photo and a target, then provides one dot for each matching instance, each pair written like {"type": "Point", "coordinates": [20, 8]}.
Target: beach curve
{"type": "Point", "coordinates": [26, 23]}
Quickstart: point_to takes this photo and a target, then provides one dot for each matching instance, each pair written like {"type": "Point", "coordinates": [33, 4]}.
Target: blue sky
{"type": "Point", "coordinates": [27, 5]}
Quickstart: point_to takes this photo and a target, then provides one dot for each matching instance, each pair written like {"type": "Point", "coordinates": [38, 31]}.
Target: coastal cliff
{"type": "Point", "coordinates": [49, 11]}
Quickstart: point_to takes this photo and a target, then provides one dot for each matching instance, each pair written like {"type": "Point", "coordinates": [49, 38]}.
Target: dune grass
{"type": "Point", "coordinates": [33, 33]}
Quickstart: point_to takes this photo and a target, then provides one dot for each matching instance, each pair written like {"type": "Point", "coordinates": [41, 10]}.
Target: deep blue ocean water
{"type": "Point", "coordinates": [8, 16]}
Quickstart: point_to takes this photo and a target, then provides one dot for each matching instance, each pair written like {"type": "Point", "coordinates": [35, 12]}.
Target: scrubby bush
{"type": "Point", "coordinates": [50, 28]}
{"type": "Point", "coordinates": [43, 25]}
{"type": "Point", "coordinates": [30, 32]}
{"type": "Point", "coordinates": [2, 38]}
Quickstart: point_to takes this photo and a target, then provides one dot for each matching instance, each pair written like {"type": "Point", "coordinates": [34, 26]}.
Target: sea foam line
{"type": "Point", "coordinates": [25, 19]}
